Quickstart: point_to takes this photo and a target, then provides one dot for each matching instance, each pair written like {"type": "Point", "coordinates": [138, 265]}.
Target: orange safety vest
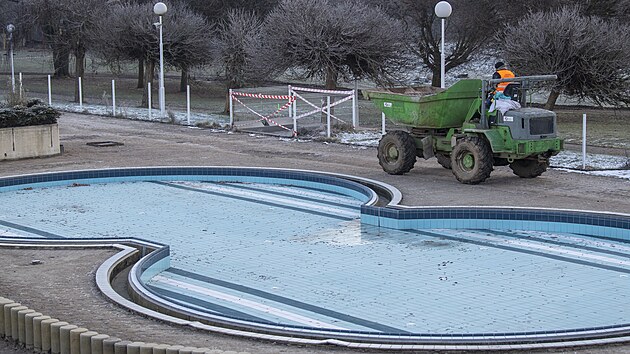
{"type": "Point", "coordinates": [505, 74]}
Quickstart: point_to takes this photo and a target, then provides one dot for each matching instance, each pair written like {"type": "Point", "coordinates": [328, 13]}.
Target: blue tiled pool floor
{"type": "Point", "coordinates": [300, 257]}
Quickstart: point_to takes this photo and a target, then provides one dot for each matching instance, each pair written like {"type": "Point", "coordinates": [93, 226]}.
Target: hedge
{"type": "Point", "coordinates": [34, 113]}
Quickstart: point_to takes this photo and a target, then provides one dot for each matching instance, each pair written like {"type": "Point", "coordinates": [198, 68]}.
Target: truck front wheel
{"type": "Point", "coordinates": [472, 160]}
{"type": "Point", "coordinates": [397, 152]}
{"type": "Point", "coordinates": [529, 168]}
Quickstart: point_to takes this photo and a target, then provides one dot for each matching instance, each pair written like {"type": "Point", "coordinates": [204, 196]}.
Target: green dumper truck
{"type": "Point", "coordinates": [456, 127]}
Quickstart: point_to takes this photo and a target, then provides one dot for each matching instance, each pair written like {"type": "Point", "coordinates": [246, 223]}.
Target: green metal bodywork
{"type": "Point", "coordinates": [447, 109]}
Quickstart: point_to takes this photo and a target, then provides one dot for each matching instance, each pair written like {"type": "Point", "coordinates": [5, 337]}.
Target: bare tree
{"type": "Point", "coordinates": [238, 32]}
{"type": "Point", "coordinates": [187, 40]}
{"type": "Point", "coordinates": [590, 55]}
{"type": "Point", "coordinates": [217, 10]}
{"type": "Point", "coordinates": [67, 24]}
{"type": "Point", "coordinates": [10, 14]}
{"type": "Point", "coordinates": [470, 29]}
{"type": "Point", "coordinates": [128, 33]}
{"type": "Point", "coordinates": [330, 40]}
{"type": "Point", "coordinates": [49, 16]}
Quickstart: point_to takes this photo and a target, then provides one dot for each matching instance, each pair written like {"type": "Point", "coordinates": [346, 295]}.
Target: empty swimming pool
{"type": "Point", "coordinates": [279, 252]}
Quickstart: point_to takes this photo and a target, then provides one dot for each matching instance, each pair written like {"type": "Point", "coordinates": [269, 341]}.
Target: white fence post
{"type": "Point", "coordinates": [21, 89]}
{"type": "Point", "coordinates": [584, 141]}
{"type": "Point", "coordinates": [80, 94]}
{"type": "Point", "coordinates": [188, 104]}
{"type": "Point", "coordinates": [149, 98]}
{"type": "Point", "coordinates": [383, 123]}
{"type": "Point", "coordinates": [231, 109]}
{"type": "Point", "coordinates": [49, 92]}
{"type": "Point", "coordinates": [328, 116]}
{"type": "Point", "coordinates": [294, 106]}
{"type": "Point", "coordinates": [355, 108]}
{"type": "Point", "coordinates": [290, 110]}
{"type": "Point", "coordinates": [113, 98]}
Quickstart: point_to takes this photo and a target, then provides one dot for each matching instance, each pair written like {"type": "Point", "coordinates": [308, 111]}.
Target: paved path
{"type": "Point", "coordinates": [64, 283]}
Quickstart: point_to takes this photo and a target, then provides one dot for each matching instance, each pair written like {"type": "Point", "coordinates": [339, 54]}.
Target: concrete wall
{"type": "Point", "coordinates": [42, 334]}
{"type": "Point", "coordinates": [27, 142]}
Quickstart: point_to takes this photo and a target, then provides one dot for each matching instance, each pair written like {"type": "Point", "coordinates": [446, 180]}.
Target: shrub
{"type": "Point", "coordinates": [33, 113]}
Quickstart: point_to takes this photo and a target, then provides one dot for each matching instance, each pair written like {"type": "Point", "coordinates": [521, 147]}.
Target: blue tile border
{"type": "Point", "coordinates": [328, 182]}
{"type": "Point", "coordinates": [604, 225]}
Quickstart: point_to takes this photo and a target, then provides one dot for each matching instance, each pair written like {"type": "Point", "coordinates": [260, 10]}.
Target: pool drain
{"type": "Point", "coordinates": [104, 143]}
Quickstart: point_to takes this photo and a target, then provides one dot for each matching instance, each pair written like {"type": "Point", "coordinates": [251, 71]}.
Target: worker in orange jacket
{"type": "Point", "coordinates": [502, 73]}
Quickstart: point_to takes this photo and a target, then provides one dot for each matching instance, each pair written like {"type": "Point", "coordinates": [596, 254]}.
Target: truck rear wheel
{"type": "Point", "coordinates": [444, 160]}
{"type": "Point", "coordinates": [529, 168]}
{"type": "Point", "coordinates": [472, 160]}
{"type": "Point", "coordinates": [397, 152]}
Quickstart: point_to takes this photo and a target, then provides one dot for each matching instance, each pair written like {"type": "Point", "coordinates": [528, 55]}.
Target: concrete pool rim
{"type": "Point", "coordinates": [394, 214]}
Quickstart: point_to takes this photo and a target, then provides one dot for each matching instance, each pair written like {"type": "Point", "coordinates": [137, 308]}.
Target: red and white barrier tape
{"type": "Point", "coordinates": [268, 118]}
{"type": "Point", "coordinates": [322, 109]}
{"type": "Point", "coordinates": [258, 95]}
{"type": "Point", "coordinates": [332, 92]}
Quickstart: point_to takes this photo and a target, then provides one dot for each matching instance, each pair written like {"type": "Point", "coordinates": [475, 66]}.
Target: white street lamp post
{"type": "Point", "coordinates": [160, 9]}
{"type": "Point", "coordinates": [443, 10]}
{"type": "Point", "coordinates": [10, 30]}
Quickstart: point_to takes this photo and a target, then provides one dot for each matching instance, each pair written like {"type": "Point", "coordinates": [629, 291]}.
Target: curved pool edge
{"type": "Point", "coordinates": [351, 184]}
{"type": "Point", "coordinates": [393, 216]}
{"type": "Point", "coordinates": [129, 249]}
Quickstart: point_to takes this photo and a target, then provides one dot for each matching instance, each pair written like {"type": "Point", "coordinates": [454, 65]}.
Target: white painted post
{"type": "Point", "coordinates": [231, 109]}
{"type": "Point", "coordinates": [149, 98]}
{"type": "Point", "coordinates": [355, 106]}
{"type": "Point", "coordinates": [113, 98]}
{"type": "Point", "coordinates": [290, 110]}
{"type": "Point", "coordinates": [328, 116]}
{"type": "Point", "coordinates": [12, 66]}
{"type": "Point", "coordinates": [442, 57]}
{"type": "Point", "coordinates": [20, 89]}
{"type": "Point", "coordinates": [294, 105]}
{"type": "Point", "coordinates": [49, 92]}
{"type": "Point", "coordinates": [80, 94]}
{"type": "Point", "coordinates": [188, 104]}
{"type": "Point", "coordinates": [584, 141]}
{"type": "Point", "coordinates": [162, 91]}
{"type": "Point", "coordinates": [383, 123]}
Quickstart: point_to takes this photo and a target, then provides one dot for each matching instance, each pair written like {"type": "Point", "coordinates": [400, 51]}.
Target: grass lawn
{"type": "Point", "coordinates": [605, 127]}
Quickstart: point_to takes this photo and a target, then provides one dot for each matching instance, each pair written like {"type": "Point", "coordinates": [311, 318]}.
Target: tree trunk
{"type": "Point", "coordinates": [184, 80]}
{"type": "Point", "coordinates": [140, 74]}
{"type": "Point", "coordinates": [80, 71]}
{"type": "Point", "coordinates": [226, 109]}
{"type": "Point", "coordinates": [331, 79]}
{"type": "Point", "coordinates": [148, 75]}
{"type": "Point", "coordinates": [436, 81]}
{"type": "Point", "coordinates": [61, 61]}
{"type": "Point", "coordinates": [551, 101]}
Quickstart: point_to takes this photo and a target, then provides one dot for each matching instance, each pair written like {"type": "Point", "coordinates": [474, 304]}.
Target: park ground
{"type": "Point", "coordinates": [64, 283]}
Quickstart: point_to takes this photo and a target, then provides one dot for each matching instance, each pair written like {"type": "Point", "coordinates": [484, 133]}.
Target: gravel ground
{"type": "Point", "coordinates": [63, 285]}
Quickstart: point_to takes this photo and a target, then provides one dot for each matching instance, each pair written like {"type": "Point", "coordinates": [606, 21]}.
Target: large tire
{"type": "Point", "coordinates": [444, 160]}
{"type": "Point", "coordinates": [529, 168]}
{"type": "Point", "coordinates": [397, 152]}
{"type": "Point", "coordinates": [472, 160]}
